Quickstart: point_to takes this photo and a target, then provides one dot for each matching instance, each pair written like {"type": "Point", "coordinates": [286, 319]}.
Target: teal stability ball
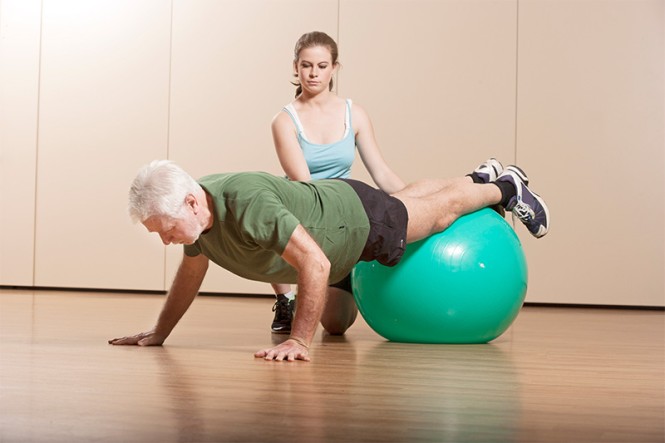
{"type": "Point", "coordinates": [463, 285]}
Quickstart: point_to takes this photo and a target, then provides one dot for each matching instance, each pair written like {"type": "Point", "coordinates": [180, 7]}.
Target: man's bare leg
{"type": "Point", "coordinates": [435, 211]}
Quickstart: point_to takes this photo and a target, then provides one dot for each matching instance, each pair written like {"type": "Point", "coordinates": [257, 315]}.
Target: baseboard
{"type": "Point", "coordinates": [235, 294]}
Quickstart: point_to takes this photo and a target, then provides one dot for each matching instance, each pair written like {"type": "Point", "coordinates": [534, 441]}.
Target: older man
{"type": "Point", "coordinates": [267, 228]}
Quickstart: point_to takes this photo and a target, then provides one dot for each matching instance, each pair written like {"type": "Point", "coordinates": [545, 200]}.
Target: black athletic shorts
{"type": "Point", "coordinates": [388, 220]}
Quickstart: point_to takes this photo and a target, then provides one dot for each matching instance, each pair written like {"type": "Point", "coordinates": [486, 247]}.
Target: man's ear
{"type": "Point", "coordinates": [192, 202]}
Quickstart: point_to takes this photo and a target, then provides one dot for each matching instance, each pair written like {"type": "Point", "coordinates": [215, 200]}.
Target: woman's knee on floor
{"type": "Point", "coordinates": [340, 311]}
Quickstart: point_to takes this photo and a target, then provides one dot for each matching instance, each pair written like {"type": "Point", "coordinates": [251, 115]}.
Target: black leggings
{"type": "Point", "coordinates": [344, 284]}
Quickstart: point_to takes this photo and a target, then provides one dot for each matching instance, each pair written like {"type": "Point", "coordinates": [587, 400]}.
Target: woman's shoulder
{"type": "Point", "coordinates": [282, 116]}
{"type": "Point", "coordinates": [358, 111]}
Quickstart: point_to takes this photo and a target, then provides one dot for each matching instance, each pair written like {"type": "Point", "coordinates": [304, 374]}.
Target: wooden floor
{"type": "Point", "coordinates": [557, 375]}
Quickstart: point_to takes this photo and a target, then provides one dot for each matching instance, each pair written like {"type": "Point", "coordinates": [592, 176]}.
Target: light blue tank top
{"type": "Point", "coordinates": [332, 160]}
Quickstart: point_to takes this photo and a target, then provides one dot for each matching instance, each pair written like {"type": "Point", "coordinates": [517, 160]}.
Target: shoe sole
{"type": "Point", "coordinates": [496, 165]}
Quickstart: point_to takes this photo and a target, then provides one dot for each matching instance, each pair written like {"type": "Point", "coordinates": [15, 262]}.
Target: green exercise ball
{"type": "Point", "coordinates": [463, 285]}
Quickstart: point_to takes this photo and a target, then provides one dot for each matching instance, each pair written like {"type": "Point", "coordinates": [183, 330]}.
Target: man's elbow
{"type": "Point", "coordinates": [322, 265]}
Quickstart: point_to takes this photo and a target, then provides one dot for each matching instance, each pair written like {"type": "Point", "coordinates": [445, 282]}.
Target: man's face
{"type": "Point", "coordinates": [183, 230]}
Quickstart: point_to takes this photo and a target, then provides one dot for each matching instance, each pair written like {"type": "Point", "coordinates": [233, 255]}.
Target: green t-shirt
{"type": "Point", "coordinates": [255, 214]}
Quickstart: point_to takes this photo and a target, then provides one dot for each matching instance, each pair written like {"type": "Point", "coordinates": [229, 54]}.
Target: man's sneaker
{"type": "Point", "coordinates": [489, 170]}
{"type": "Point", "coordinates": [526, 205]}
{"type": "Point", "coordinates": [283, 309]}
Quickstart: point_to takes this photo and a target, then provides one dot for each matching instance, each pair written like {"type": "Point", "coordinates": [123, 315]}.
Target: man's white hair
{"type": "Point", "coordinates": [160, 189]}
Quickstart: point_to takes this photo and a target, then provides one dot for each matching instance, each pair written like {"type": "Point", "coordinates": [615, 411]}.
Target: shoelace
{"type": "Point", "coordinates": [283, 307]}
{"type": "Point", "coordinates": [523, 212]}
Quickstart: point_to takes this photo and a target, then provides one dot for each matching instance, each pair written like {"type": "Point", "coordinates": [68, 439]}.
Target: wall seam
{"type": "Point", "coordinates": [39, 98]}
{"type": "Point", "coordinates": [168, 129]}
{"type": "Point", "coordinates": [517, 67]}
{"type": "Point", "coordinates": [339, 6]}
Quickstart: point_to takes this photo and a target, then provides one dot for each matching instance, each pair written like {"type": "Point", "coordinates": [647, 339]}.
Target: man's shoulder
{"type": "Point", "coordinates": [240, 185]}
{"type": "Point", "coordinates": [214, 178]}
{"type": "Point", "coordinates": [233, 178]}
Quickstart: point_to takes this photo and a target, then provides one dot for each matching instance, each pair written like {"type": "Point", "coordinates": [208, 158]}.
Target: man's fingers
{"type": "Point", "coordinates": [271, 355]}
{"type": "Point", "coordinates": [119, 341]}
{"type": "Point", "coordinates": [276, 353]}
{"type": "Point", "coordinates": [132, 340]}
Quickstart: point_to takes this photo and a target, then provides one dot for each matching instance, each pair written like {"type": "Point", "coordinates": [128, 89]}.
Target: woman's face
{"type": "Point", "coordinates": [315, 68]}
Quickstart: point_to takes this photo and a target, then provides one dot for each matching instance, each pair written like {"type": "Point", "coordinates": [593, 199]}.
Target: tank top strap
{"type": "Point", "coordinates": [289, 109]}
{"type": "Point", "coordinates": [347, 118]}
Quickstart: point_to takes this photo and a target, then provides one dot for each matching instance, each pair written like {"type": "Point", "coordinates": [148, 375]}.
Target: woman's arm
{"type": "Point", "coordinates": [384, 177]}
{"type": "Point", "coordinates": [288, 149]}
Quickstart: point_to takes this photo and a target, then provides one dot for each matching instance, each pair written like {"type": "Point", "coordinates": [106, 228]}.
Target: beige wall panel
{"type": "Point", "coordinates": [437, 79]}
{"type": "Point", "coordinates": [19, 86]}
{"type": "Point", "coordinates": [590, 132]}
{"type": "Point", "coordinates": [103, 113]}
{"type": "Point", "coordinates": [232, 64]}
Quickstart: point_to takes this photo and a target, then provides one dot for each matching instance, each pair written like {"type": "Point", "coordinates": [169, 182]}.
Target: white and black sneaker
{"type": "Point", "coordinates": [489, 170]}
{"type": "Point", "coordinates": [526, 205]}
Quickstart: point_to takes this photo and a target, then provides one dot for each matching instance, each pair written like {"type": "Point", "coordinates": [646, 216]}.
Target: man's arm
{"type": "Point", "coordinates": [184, 288]}
{"type": "Point", "coordinates": [305, 255]}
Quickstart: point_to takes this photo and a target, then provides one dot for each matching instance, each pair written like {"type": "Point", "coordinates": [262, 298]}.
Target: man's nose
{"type": "Point", "coordinates": [165, 239]}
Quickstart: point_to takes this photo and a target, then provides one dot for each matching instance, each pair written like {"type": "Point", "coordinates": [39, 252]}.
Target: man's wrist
{"type": "Point", "coordinates": [300, 341]}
